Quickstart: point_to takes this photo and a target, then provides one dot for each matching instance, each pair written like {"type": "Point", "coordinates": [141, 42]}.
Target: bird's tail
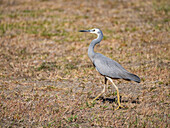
{"type": "Point", "coordinates": [133, 77]}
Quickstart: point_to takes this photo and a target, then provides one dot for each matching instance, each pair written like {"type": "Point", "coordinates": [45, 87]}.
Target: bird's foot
{"type": "Point", "coordinates": [119, 107]}
{"type": "Point", "coordinates": [92, 102]}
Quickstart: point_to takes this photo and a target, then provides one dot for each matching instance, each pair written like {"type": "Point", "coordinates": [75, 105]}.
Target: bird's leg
{"type": "Point", "coordinates": [99, 94]}
{"type": "Point", "coordinates": [118, 97]}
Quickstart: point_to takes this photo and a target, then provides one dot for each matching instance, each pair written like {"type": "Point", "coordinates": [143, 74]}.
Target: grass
{"type": "Point", "coordinates": [47, 79]}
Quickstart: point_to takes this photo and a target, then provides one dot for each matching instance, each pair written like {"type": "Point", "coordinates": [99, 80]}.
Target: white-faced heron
{"type": "Point", "coordinates": [107, 67]}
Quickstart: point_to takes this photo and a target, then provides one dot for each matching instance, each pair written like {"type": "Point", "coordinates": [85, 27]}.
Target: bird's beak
{"type": "Point", "coordinates": [84, 31]}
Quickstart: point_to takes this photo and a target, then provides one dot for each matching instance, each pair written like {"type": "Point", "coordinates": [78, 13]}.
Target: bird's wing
{"type": "Point", "coordinates": [108, 67]}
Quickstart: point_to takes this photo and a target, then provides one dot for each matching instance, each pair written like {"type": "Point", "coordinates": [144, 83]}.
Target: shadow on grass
{"type": "Point", "coordinates": [114, 100]}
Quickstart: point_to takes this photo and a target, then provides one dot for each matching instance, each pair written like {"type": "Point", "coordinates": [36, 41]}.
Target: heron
{"type": "Point", "coordinates": [107, 67]}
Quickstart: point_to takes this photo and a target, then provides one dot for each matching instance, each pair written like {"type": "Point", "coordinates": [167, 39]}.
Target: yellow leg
{"type": "Point", "coordinates": [118, 97]}
{"type": "Point", "coordinates": [99, 94]}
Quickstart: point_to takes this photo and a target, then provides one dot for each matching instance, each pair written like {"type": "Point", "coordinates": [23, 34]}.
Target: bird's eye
{"type": "Point", "coordinates": [93, 30]}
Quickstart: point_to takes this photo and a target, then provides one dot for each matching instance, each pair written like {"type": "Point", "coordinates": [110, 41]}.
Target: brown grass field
{"type": "Point", "coordinates": [47, 79]}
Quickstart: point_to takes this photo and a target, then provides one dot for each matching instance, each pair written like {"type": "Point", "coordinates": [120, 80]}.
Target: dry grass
{"type": "Point", "coordinates": [46, 78]}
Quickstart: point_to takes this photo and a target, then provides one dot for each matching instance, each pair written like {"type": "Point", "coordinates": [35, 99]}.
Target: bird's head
{"type": "Point", "coordinates": [94, 30]}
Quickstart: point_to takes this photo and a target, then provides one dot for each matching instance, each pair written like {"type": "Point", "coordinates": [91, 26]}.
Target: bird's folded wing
{"type": "Point", "coordinates": [109, 67]}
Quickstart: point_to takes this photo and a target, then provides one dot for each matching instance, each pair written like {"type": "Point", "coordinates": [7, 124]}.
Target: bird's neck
{"type": "Point", "coordinates": [91, 52]}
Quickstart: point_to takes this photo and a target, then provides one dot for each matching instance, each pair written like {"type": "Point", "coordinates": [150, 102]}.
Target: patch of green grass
{"type": "Point", "coordinates": [50, 124]}
{"type": "Point", "coordinates": [105, 37]}
{"type": "Point", "coordinates": [37, 27]}
{"type": "Point", "coordinates": [2, 29]}
{"type": "Point", "coordinates": [70, 66]}
{"type": "Point", "coordinates": [166, 20]}
{"type": "Point", "coordinates": [160, 82]}
{"type": "Point", "coordinates": [115, 93]}
{"type": "Point", "coordinates": [72, 118]}
{"type": "Point", "coordinates": [104, 107]}
{"type": "Point", "coordinates": [130, 29]}
{"type": "Point", "coordinates": [47, 65]}
{"type": "Point", "coordinates": [136, 122]}
{"type": "Point", "coordinates": [162, 6]}
{"type": "Point", "coordinates": [80, 17]}
{"type": "Point", "coordinates": [110, 31]}
{"type": "Point", "coordinates": [152, 88]}
{"type": "Point", "coordinates": [81, 108]}
{"type": "Point", "coordinates": [25, 13]}
{"type": "Point", "coordinates": [87, 104]}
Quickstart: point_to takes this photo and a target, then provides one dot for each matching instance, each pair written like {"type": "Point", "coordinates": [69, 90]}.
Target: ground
{"type": "Point", "coordinates": [47, 79]}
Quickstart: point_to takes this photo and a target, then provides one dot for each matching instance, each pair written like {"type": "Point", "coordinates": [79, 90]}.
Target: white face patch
{"type": "Point", "coordinates": [95, 31]}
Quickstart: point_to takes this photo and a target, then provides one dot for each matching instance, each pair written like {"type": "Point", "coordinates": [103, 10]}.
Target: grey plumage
{"type": "Point", "coordinates": [106, 66]}
{"type": "Point", "coordinates": [110, 68]}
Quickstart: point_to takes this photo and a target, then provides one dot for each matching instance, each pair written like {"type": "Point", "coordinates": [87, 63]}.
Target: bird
{"type": "Point", "coordinates": [107, 67]}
